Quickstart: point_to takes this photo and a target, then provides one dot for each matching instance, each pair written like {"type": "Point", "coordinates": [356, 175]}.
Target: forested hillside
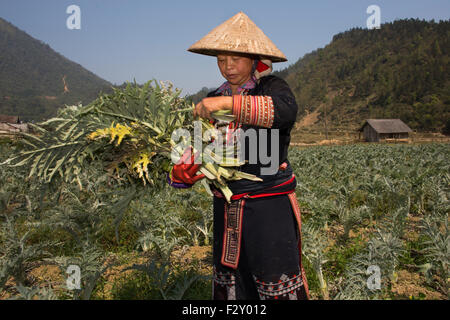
{"type": "Point", "coordinates": [398, 71]}
{"type": "Point", "coordinates": [35, 80]}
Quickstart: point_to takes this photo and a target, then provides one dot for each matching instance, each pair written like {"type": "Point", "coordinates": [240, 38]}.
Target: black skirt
{"type": "Point", "coordinates": [257, 249]}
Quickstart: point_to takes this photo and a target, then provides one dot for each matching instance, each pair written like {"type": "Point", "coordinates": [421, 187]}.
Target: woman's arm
{"type": "Point", "coordinates": [275, 109]}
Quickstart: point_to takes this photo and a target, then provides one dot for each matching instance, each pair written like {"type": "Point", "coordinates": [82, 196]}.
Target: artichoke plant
{"type": "Point", "coordinates": [130, 131]}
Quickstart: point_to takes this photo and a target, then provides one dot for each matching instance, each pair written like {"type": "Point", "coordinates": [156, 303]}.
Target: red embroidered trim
{"type": "Point", "coordinates": [254, 110]}
{"type": "Point", "coordinates": [294, 203]}
{"type": "Point", "coordinates": [286, 287]}
{"type": "Point", "coordinates": [232, 234]}
{"type": "Point", "coordinates": [236, 110]}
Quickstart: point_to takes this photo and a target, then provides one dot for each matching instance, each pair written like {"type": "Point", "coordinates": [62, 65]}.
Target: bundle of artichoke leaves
{"type": "Point", "coordinates": [130, 132]}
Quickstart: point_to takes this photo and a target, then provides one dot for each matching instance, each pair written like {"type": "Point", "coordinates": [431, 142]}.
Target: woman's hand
{"type": "Point", "coordinates": [185, 171]}
{"type": "Point", "coordinates": [209, 105]}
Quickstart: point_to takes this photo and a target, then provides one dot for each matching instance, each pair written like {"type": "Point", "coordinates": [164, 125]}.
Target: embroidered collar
{"type": "Point", "coordinates": [225, 88]}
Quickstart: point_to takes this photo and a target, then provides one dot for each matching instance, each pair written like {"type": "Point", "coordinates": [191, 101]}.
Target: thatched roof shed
{"type": "Point", "coordinates": [375, 130]}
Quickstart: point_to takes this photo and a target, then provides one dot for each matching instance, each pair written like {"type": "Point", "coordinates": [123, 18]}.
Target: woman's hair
{"type": "Point", "coordinates": [247, 55]}
{"type": "Point", "coordinates": [255, 64]}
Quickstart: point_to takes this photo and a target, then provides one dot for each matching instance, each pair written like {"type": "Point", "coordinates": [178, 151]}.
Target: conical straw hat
{"type": "Point", "coordinates": [238, 34]}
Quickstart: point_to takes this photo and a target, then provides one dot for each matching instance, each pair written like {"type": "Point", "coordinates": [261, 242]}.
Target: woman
{"type": "Point", "coordinates": [257, 244]}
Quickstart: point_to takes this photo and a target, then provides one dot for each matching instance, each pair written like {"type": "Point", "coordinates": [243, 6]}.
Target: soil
{"type": "Point", "coordinates": [412, 285]}
{"type": "Point", "coordinates": [308, 120]}
{"type": "Point", "coordinates": [51, 275]}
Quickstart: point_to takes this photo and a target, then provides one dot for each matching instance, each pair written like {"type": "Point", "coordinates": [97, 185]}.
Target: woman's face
{"type": "Point", "coordinates": [236, 69]}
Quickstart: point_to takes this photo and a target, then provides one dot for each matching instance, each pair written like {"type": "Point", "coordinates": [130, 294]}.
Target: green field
{"type": "Point", "coordinates": [383, 205]}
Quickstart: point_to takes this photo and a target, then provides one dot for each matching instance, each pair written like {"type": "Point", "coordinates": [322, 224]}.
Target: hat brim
{"type": "Point", "coordinates": [216, 52]}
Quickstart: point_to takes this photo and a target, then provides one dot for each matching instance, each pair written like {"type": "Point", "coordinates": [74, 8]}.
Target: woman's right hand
{"type": "Point", "coordinates": [210, 105]}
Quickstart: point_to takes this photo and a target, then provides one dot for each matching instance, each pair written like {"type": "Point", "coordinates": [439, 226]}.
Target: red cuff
{"type": "Point", "coordinates": [254, 110]}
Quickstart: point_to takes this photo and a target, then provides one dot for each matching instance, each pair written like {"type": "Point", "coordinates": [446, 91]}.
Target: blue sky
{"type": "Point", "coordinates": [145, 39]}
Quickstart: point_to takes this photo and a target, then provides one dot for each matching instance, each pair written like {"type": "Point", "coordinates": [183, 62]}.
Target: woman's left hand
{"type": "Point", "coordinates": [209, 105]}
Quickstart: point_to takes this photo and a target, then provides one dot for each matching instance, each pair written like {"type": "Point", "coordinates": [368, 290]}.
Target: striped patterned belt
{"type": "Point", "coordinates": [282, 188]}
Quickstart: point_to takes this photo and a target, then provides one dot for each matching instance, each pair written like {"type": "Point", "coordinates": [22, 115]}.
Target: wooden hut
{"type": "Point", "coordinates": [376, 130]}
{"type": "Point", "coordinates": [9, 119]}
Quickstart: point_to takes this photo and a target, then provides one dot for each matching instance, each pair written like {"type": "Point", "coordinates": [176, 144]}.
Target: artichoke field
{"type": "Point", "coordinates": [363, 206]}
{"type": "Point", "coordinates": [88, 188]}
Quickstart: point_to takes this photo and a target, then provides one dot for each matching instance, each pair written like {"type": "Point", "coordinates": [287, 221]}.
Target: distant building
{"type": "Point", "coordinates": [9, 119]}
{"type": "Point", "coordinates": [11, 125]}
{"type": "Point", "coordinates": [375, 130]}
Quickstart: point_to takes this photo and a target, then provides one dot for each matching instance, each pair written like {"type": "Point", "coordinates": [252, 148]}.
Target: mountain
{"type": "Point", "coordinates": [398, 71]}
{"type": "Point", "coordinates": [197, 97]}
{"type": "Point", "coordinates": [35, 80]}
